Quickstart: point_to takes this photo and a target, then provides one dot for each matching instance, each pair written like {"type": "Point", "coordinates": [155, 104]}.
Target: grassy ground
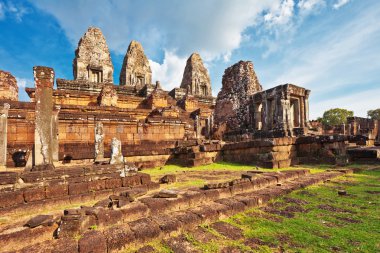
{"type": "Point", "coordinates": [314, 219]}
{"type": "Point", "coordinates": [216, 172]}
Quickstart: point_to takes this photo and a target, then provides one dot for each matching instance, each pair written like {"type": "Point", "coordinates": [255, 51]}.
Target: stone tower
{"type": "Point", "coordinates": [232, 104]}
{"type": "Point", "coordinates": [136, 69]}
{"type": "Point", "coordinates": [92, 60]}
{"type": "Point", "coordinates": [196, 79]}
{"type": "Point", "coordinates": [8, 86]}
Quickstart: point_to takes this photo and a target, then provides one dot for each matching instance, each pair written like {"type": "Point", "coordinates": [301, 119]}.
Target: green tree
{"type": "Point", "coordinates": [336, 116]}
{"type": "Point", "coordinates": [374, 114]}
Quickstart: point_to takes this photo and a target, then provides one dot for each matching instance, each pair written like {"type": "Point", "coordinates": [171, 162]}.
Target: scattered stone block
{"type": "Point", "coordinates": [342, 193]}
{"type": "Point", "coordinates": [118, 236]}
{"type": "Point", "coordinates": [40, 220]}
{"type": "Point", "coordinates": [168, 179]}
{"type": "Point", "coordinates": [92, 242]}
{"type": "Point", "coordinates": [167, 194]}
{"type": "Point", "coordinates": [144, 229]}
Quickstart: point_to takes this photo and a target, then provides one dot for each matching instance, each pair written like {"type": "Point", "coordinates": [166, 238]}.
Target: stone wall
{"type": "Point", "coordinates": [287, 151]}
{"type": "Point", "coordinates": [8, 86]}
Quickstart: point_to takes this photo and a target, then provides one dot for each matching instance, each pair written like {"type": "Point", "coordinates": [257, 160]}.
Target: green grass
{"type": "Point", "coordinates": [353, 226]}
{"type": "Point", "coordinates": [223, 166]}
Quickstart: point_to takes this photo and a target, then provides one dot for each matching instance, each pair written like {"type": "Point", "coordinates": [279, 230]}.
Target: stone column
{"type": "Point", "coordinates": [258, 123]}
{"type": "Point", "coordinates": [3, 134]}
{"type": "Point", "coordinates": [55, 133]}
{"type": "Point", "coordinates": [43, 141]}
{"type": "Point", "coordinates": [307, 106]}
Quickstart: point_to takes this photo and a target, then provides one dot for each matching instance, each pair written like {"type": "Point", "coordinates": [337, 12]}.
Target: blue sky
{"type": "Point", "coordinates": [331, 47]}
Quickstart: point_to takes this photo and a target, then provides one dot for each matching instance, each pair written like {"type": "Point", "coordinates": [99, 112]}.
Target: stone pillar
{"type": "Point", "coordinates": [43, 141]}
{"type": "Point", "coordinates": [258, 123]}
{"type": "Point", "coordinates": [302, 112]}
{"type": "Point", "coordinates": [99, 142]}
{"type": "Point", "coordinates": [307, 106]}
{"type": "Point", "coordinates": [3, 134]}
{"type": "Point", "coordinates": [55, 133]}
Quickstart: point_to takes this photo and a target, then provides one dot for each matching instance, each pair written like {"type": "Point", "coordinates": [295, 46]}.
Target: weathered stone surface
{"type": "Point", "coordinates": [92, 60]}
{"type": "Point", "coordinates": [92, 242]}
{"type": "Point", "coordinates": [8, 86]}
{"type": "Point", "coordinates": [116, 155]}
{"type": "Point", "coordinates": [136, 69]}
{"type": "Point", "coordinates": [43, 149]}
{"type": "Point", "coordinates": [196, 79]}
{"type": "Point", "coordinates": [3, 134]}
{"type": "Point", "coordinates": [40, 220]}
{"type": "Point", "coordinates": [167, 194]}
{"type": "Point", "coordinates": [108, 96]}
{"type": "Point", "coordinates": [238, 84]}
{"type": "Point", "coordinates": [168, 179]}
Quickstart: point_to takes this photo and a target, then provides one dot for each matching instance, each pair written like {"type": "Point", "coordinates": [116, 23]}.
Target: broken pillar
{"type": "Point", "coordinates": [43, 139]}
{"type": "Point", "coordinates": [116, 153]}
{"type": "Point", "coordinates": [99, 142]}
{"type": "Point", "coordinates": [55, 133]}
{"type": "Point", "coordinates": [3, 134]}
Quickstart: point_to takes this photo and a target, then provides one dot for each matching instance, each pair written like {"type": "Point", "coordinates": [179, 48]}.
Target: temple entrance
{"type": "Point", "coordinates": [295, 112]}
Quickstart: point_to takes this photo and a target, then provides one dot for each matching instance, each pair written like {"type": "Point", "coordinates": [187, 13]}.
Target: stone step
{"type": "Point", "coordinates": [152, 218]}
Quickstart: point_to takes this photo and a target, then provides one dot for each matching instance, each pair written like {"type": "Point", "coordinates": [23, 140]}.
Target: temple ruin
{"type": "Point", "coordinates": [196, 80]}
{"type": "Point", "coordinates": [136, 70]}
{"type": "Point", "coordinates": [92, 60]}
{"type": "Point", "coordinates": [87, 142]}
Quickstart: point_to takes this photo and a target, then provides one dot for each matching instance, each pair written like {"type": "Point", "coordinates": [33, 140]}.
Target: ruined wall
{"type": "Point", "coordinates": [136, 70]}
{"type": "Point", "coordinates": [8, 86]}
{"type": "Point", "coordinates": [196, 80]}
{"type": "Point", "coordinates": [287, 151]}
{"type": "Point", "coordinates": [239, 83]}
{"type": "Point", "coordinates": [92, 60]}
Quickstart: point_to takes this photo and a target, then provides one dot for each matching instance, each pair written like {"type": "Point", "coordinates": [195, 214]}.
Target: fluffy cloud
{"type": "Point", "coordinates": [213, 28]}
{"type": "Point", "coordinates": [15, 10]}
{"type": "Point", "coordinates": [2, 11]}
{"type": "Point", "coordinates": [169, 73]}
{"type": "Point", "coordinates": [308, 6]}
{"type": "Point", "coordinates": [280, 14]}
{"type": "Point", "coordinates": [340, 3]}
{"type": "Point", "coordinates": [335, 65]}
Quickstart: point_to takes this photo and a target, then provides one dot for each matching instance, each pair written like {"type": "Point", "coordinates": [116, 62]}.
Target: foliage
{"type": "Point", "coordinates": [374, 114]}
{"type": "Point", "coordinates": [336, 116]}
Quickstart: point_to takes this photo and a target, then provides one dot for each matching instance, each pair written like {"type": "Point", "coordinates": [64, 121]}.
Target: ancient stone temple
{"type": "Point", "coordinates": [136, 70]}
{"type": "Point", "coordinates": [232, 105]}
{"type": "Point", "coordinates": [196, 79]}
{"type": "Point", "coordinates": [282, 110]}
{"type": "Point", "coordinates": [8, 86]}
{"type": "Point", "coordinates": [92, 60]}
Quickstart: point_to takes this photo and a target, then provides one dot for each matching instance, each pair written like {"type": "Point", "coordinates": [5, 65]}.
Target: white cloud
{"type": "Point", "coordinates": [280, 14]}
{"type": "Point", "coordinates": [309, 6]}
{"type": "Point", "coordinates": [340, 3]}
{"type": "Point", "coordinates": [337, 62]}
{"type": "Point", "coordinates": [2, 11]}
{"type": "Point", "coordinates": [23, 82]}
{"type": "Point", "coordinates": [214, 28]}
{"type": "Point", "coordinates": [170, 72]}
{"type": "Point", "coordinates": [14, 10]}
